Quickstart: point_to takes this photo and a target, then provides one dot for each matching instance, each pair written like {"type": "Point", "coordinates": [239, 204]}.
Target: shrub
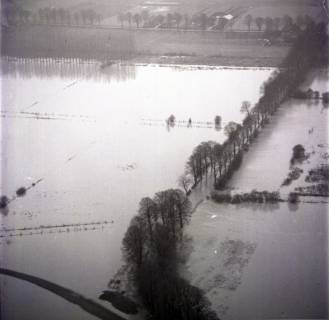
{"type": "Point", "coordinates": [298, 153]}
{"type": "Point", "coordinates": [3, 202]}
{"type": "Point", "coordinates": [221, 197]}
{"type": "Point", "coordinates": [21, 192]}
{"type": "Point", "coordinates": [218, 120]}
{"type": "Point", "coordinates": [293, 197]}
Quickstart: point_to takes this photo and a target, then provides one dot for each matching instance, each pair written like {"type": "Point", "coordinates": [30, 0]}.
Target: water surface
{"type": "Point", "coordinates": [98, 140]}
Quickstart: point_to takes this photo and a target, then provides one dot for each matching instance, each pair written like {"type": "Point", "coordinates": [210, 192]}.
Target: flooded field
{"type": "Point", "coordinates": [269, 261]}
{"type": "Point", "coordinates": [88, 147]}
{"type": "Point", "coordinates": [296, 122]}
{"type": "Point", "coordinates": [261, 261]}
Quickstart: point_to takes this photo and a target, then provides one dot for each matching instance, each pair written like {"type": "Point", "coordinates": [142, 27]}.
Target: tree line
{"type": "Point", "coordinates": [285, 23]}
{"type": "Point", "coordinates": [221, 160]}
{"type": "Point", "coordinates": [202, 21]}
{"type": "Point", "coordinates": [47, 15]}
{"type": "Point", "coordinates": [151, 249]}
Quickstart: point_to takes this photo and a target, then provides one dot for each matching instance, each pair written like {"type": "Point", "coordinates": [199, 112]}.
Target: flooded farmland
{"type": "Point", "coordinates": [269, 260]}
{"type": "Point", "coordinates": [88, 141]}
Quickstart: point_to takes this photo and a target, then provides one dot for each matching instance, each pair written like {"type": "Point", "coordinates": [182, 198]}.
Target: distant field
{"type": "Point", "coordinates": [103, 44]}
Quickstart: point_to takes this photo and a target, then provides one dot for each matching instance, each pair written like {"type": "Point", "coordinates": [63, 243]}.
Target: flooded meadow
{"type": "Point", "coordinates": [88, 141]}
{"type": "Point", "coordinates": [269, 260]}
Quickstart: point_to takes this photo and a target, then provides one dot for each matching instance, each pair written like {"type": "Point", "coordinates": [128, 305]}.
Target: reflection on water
{"type": "Point", "coordinates": [46, 68]}
{"type": "Point", "coordinates": [97, 160]}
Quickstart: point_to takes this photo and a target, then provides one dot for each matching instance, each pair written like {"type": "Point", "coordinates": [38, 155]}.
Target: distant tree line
{"type": "Point", "coordinates": [151, 248]}
{"type": "Point", "coordinates": [170, 20]}
{"type": "Point", "coordinates": [202, 21]}
{"type": "Point", "coordinates": [47, 15]}
{"type": "Point", "coordinates": [221, 160]}
{"type": "Point", "coordinates": [285, 23]}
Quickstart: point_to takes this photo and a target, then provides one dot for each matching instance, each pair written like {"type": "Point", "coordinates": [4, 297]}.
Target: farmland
{"type": "Point", "coordinates": [63, 30]}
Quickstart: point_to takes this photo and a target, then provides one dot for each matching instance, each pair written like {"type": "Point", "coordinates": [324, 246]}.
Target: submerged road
{"type": "Point", "coordinates": [88, 305]}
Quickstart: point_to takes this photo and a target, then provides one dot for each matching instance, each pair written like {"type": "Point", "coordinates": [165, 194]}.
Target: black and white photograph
{"type": "Point", "coordinates": [164, 159]}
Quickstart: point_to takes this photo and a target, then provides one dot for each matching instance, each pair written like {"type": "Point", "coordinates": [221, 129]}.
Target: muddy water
{"type": "Point", "coordinates": [296, 122]}
{"type": "Point", "coordinates": [97, 138]}
{"type": "Point", "coordinates": [269, 261]}
{"type": "Point", "coordinates": [258, 262]}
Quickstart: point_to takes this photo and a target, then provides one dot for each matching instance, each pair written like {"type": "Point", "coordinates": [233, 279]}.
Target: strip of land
{"type": "Point", "coordinates": [86, 304]}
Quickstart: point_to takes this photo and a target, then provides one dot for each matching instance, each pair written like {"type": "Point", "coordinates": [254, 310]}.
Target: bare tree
{"type": "Point", "coordinates": [128, 17]}
{"type": "Point", "coordinates": [148, 211]}
{"type": "Point", "coordinates": [137, 19]}
{"type": "Point", "coordinates": [185, 181]}
{"type": "Point", "coordinates": [287, 22]}
{"type": "Point", "coordinates": [246, 107]}
{"type": "Point", "coordinates": [121, 18]}
{"type": "Point", "coordinates": [277, 23]}
{"type": "Point", "coordinates": [300, 21]}
{"type": "Point", "coordinates": [186, 20]}
{"type": "Point", "coordinates": [178, 19]}
{"type": "Point", "coordinates": [248, 21]}
{"type": "Point", "coordinates": [259, 23]}
{"type": "Point", "coordinates": [268, 24]}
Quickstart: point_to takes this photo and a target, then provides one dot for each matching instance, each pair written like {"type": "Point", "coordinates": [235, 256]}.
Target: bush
{"type": "Point", "coordinates": [298, 154]}
{"type": "Point", "coordinates": [21, 192]}
{"type": "Point", "coordinates": [237, 198]}
{"type": "Point", "coordinates": [221, 197]}
{"type": "Point", "coordinates": [293, 197]}
{"type": "Point", "coordinates": [218, 120]}
{"type": "Point", "coordinates": [3, 202]}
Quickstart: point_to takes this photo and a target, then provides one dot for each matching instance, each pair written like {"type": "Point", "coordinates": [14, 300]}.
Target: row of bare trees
{"type": "Point", "coordinates": [151, 250]}
{"type": "Point", "coordinates": [49, 15]}
{"type": "Point", "coordinates": [170, 209]}
{"type": "Point", "coordinates": [221, 160]}
{"type": "Point", "coordinates": [286, 22]}
{"type": "Point", "coordinates": [170, 20]}
{"type": "Point", "coordinates": [203, 21]}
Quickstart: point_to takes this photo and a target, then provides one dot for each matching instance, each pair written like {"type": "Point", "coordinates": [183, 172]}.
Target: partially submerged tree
{"type": "Point", "coordinates": [246, 108]}
{"type": "Point", "coordinates": [185, 181]}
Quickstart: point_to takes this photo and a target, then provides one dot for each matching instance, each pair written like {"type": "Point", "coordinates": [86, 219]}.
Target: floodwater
{"type": "Point", "coordinates": [261, 262]}
{"type": "Point", "coordinates": [91, 141]}
{"type": "Point", "coordinates": [269, 261]}
{"type": "Point", "coordinates": [295, 122]}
